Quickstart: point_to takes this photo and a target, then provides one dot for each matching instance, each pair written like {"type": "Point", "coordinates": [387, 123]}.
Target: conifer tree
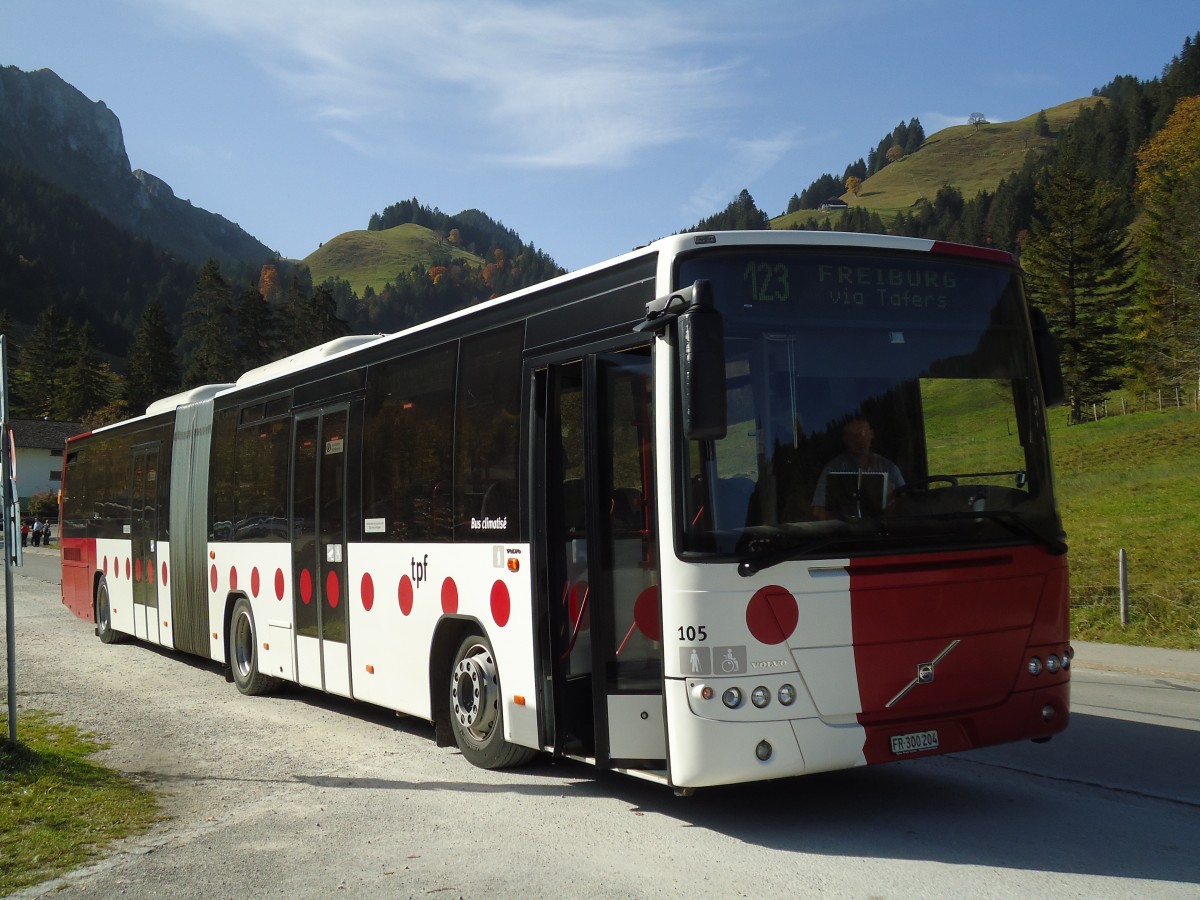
{"type": "Point", "coordinates": [324, 318]}
{"type": "Point", "coordinates": [207, 330]}
{"type": "Point", "coordinates": [255, 337]}
{"type": "Point", "coordinates": [1077, 273]}
{"type": "Point", "coordinates": [294, 333]}
{"type": "Point", "coordinates": [46, 352]}
{"type": "Point", "coordinates": [153, 366]}
{"type": "Point", "coordinates": [86, 383]}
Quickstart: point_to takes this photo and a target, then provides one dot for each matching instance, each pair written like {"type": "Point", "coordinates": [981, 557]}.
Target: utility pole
{"type": "Point", "coordinates": [12, 527]}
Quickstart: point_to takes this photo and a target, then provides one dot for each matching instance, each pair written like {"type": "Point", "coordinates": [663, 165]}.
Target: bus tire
{"type": "Point", "coordinates": [243, 652]}
{"type": "Point", "coordinates": [476, 710]}
{"type": "Point", "coordinates": [104, 626]}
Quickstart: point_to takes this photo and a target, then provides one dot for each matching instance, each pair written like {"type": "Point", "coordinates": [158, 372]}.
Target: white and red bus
{"type": "Point", "coordinates": [611, 517]}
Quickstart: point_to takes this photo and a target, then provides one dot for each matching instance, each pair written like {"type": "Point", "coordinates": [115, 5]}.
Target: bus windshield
{"type": "Point", "coordinates": [877, 402]}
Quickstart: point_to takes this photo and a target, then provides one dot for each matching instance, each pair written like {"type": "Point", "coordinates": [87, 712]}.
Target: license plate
{"type": "Point", "coordinates": [914, 742]}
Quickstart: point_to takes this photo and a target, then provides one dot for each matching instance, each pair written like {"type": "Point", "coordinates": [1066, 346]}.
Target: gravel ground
{"type": "Point", "coordinates": [302, 796]}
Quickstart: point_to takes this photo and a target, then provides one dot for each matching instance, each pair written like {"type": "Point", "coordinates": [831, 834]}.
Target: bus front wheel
{"type": "Point", "coordinates": [243, 652]}
{"type": "Point", "coordinates": [104, 626]}
{"type": "Point", "coordinates": [476, 710]}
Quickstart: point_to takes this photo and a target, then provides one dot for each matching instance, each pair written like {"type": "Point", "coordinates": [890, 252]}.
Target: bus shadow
{"type": "Point", "coordinates": [1083, 814]}
{"type": "Point", "coordinates": [1078, 805]}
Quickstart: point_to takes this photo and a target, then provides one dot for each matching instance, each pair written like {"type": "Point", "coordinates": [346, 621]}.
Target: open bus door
{"type": "Point", "coordinates": [600, 589]}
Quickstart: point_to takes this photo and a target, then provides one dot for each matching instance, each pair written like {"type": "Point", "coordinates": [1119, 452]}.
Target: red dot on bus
{"type": "Point", "coordinates": [255, 581]}
{"type": "Point", "coordinates": [233, 578]}
{"type": "Point", "coordinates": [306, 586]}
{"type": "Point", "coordinates": [279, 585]}
{"type": "Point", "coordinates": [164, 574]}
{"type": "Point", "coordinates": [128, 567]}
{"type": "Point", "coordinates": [449, 597]}
{"type": "Point", "coordinates": [150, 571]}
{"type": "Point", "coordinates": [137, 571]}
{"type": "Point", "coordinates": [501, 603]}
{"type": "Point", "coordinates": [212, 576]}
{"type": "Point", "coordinates": [405, 595]}
{"type": "Point", "coordinates": [333, 589]}
{"type": "Point", "coordinates": [646, 613]}
{"type": "Point", "coordinates": [106, 565]}
{"type": "Point", "coordinates": [367, 591]}
{"type": "Point", "coordinates": [772, 614]}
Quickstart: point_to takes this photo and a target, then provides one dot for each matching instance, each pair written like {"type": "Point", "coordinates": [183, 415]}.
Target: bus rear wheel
{"type": "Point", "coordinates": [243, 652]}
{"type": "Point", "coordinates": [104, 626]}
{"type": "Point", "coordinates": [476, 711]}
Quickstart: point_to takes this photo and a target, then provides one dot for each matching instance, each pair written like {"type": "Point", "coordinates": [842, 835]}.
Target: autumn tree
{"type": "Point", "coordinates": [853, 184]}
{"type": "Point", "coordinates": [894, 153]}
{"type": "Point", "coordinates": [1077, 273]}
{"type": "Point", "coordinates": [207, 330]}
{"type": "Point", "coordinates": [1165, 324]}
{"type": "Point", "coordinates": [153, 366]}
{"type": "Point", "coordinates": [268, 283]}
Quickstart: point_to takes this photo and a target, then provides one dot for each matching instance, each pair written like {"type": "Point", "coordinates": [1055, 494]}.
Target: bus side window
{"type": "Point", "coordinates": [408, 445]}
{"type": "Point", "coordinates": [487, 435]}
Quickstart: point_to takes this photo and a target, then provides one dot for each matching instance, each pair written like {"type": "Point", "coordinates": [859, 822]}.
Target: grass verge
{"type": "Point", "coordinates": [58, 810]}
{"type": "Point", "coordinates": [1132, 483]}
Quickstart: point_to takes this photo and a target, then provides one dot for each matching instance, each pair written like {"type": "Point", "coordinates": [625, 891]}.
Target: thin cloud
{"type": "Point", "coordinates": [746, 162]}
{"type": "Point", "coordinates": [539, 85]}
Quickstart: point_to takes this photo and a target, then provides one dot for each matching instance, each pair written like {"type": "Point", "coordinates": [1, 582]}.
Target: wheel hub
{"type": "Point", "coordinates": [472, 693]}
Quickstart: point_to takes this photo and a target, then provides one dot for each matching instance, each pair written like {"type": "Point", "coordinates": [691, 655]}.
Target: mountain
{"type": "Point", "coordinates": [51, 129]}
{"type": "Point", "coordinates": [972, 158]}
{"type": "Point", "coordinates": [374, 258]}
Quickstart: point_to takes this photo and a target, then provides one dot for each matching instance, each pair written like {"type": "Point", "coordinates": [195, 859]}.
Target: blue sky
{"type": "Point", "coordinates": [588, 128]}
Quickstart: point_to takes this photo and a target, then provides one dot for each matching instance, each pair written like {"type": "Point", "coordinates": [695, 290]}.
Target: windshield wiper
{"type": "Point", "coordinates": [756, 561]}
{"type": "Point", "coordinates": [1018, 525]}
{"type": "Point", "coordinates": [1007, 518]}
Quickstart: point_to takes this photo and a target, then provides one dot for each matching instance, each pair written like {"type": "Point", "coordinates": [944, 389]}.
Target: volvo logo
{"type": "Point", "coordinates": [924, 674]}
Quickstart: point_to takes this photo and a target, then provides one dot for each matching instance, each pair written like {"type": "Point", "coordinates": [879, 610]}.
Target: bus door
{"type": "Point", "coordinates": [602, 573]}
{"type": "Point", "coordinates": [320, 451]}
{"type": "Point", "coordinates": [143, 534]}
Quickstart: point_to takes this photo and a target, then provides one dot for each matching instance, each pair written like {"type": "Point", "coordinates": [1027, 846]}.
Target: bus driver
{"type": "Point", "coordinates": [833, 501]}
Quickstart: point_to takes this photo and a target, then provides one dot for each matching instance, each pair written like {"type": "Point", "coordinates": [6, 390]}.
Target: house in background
{"type": "Point", "coordinates": [39, 448]}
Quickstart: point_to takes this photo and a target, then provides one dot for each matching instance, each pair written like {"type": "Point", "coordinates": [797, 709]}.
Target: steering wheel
{"type": "Point", "coordinates": [924, 484]}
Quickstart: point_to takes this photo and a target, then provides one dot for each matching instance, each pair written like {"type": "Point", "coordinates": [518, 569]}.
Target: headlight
{"type": "Point", "coordinates": [1051, 663]}
{"type": "Point", "coordinates": [1034, 666]}
{"type": "Point", "coordinates": [732, 697]}
{"type": "Point", "coordinates": [760, 697]}
{"type": "Point", "coordinates": [787, 695]}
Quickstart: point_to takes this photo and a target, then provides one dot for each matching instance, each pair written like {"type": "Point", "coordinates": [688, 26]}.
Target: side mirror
{"type": "Point", "coordinates": [1046, 349]}
{"type": "Point", "coordinates": [701, 334]}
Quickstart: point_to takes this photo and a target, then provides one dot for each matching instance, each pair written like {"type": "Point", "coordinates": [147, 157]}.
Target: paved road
{"type": "Point", "coordinates": [305, 796]}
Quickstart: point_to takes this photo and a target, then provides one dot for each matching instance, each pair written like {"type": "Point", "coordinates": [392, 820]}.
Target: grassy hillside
{"type": "Point", "coordinates": [375, 257]}
{"type": "Point", "coordinates": [971, 158]}
{"type": "Point", "coordinates": [1132, 482]}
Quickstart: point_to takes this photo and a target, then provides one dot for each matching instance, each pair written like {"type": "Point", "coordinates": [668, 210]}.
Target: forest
{"type": "Point", "coordinates": [1105, 223]}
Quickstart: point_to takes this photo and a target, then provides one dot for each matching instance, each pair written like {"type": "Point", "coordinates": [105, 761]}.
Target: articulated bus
{"type": "Point", "coordinates": [611, 517]}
